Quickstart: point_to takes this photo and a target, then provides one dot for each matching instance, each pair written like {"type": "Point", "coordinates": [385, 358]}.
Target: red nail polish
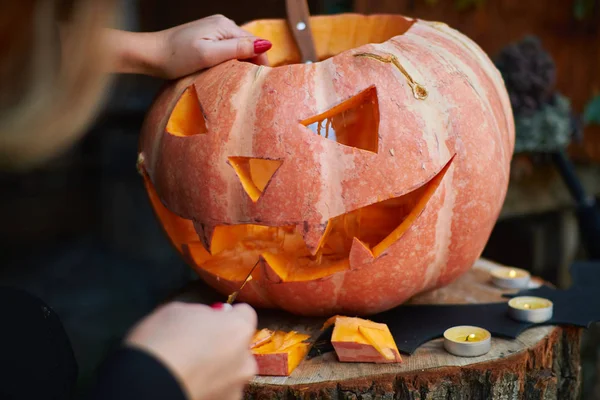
{"type": "Point", "coordinates": [221, 306]}
{"type": "Point", "coordinates": [261, 45]}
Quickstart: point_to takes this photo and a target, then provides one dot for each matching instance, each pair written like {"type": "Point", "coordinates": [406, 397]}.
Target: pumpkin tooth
{"type": "Point", "coordinates": [205, 234]}
{"type": "Point", "coordinates": [315, 235]}
{"type": "Point", "coordinates": [273, 267]}
{"type": "Point", "coordinates": [279, 268]}
{"type": "Point", "coordinates": [360, 253]}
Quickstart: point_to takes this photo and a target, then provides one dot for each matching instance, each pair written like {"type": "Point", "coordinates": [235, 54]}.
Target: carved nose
{"type": "Point", "coordinates": [254, 173]}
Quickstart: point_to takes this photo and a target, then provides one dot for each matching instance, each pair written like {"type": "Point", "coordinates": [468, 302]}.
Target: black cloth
{"type": "Point", "coordinates": [134, 374]}
{"type": "Point", "coordinates": [37, 360]}
{"type": "Point", "coordinates": [412, 325]}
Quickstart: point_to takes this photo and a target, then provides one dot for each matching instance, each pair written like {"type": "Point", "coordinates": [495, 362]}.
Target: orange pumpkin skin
{"type": "Point", "coordinates": [404, 202]}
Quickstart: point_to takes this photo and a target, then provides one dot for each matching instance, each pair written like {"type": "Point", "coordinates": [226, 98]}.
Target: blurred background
{"type": "Point", "coordinates": [79, 231]}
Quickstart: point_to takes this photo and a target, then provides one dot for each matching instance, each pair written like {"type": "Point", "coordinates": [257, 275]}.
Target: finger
{"type": "Point", "coordinates": [234, 31]}
{"type": "Point", "coordinates": [250, 368]}
{"type": "Point", "coordinates": [261, 59]}
{"type": "Point", "coordinates": [228, 29]}
{"type": "Point", "coordinates": [234, 393]}
{"type": "Point", "coordinates": [241, 48]}
{"type": "Point", "coordinates": [246, 313]}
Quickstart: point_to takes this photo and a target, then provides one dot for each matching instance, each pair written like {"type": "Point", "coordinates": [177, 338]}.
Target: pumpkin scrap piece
{"type": "Point", "coordinates": [361, 340]}
{"type": "Point", "coordinates": [278, 353]}
{"type": "Point", "coordinates": [330, 321]}
{"type": "Point", "coordinates": [261, 337]}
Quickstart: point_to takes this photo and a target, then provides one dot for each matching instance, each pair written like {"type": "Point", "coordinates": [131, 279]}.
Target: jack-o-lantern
{"type": "Point", "coordinates": [355, 182]}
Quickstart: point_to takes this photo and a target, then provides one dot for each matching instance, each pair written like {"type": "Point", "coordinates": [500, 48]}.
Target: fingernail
{"type": "Point", "coordinates": [261, 45]}
{"type": "Point", "coordinates": [221, 306]}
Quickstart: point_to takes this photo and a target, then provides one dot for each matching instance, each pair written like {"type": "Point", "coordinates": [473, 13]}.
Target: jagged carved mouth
{"type": "Point", "coordinates": [288, 253]}
{"type": "Point", "coordinates": [234, 249]}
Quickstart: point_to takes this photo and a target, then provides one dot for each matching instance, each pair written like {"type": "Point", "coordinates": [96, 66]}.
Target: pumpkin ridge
{"type": "Point", "coordinates": [240, 143]}
{"type": "Point", "coordinates": [444, 45]}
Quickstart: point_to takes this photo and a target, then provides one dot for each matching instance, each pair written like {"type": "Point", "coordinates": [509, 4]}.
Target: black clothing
{"type": "Point", "coordinates": [133, 374]}
{"type": "Point", "coordinates": [37, 360]}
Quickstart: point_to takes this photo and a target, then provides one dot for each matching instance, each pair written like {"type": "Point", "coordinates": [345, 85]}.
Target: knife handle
{"type": "Point", "coordinates": [298, 16]}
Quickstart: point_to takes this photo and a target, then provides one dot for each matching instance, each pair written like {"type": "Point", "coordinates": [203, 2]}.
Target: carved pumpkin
{"type": "Point", "coordinates": [355, 182]}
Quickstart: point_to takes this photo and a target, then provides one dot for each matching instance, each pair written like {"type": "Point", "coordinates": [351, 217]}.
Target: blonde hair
{"type": "Point", "coordinates": [51, 84]}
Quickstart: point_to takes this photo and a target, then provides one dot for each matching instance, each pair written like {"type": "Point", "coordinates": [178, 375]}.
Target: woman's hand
{"type": "Point", "coordinates": [184, 49]}
{"type": "Point", "coordinates": [207, 350]}
{"type": "Point", "coordinates": [205, 43]}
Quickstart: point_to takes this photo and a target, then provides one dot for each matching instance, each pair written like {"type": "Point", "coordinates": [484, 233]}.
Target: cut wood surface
{"type": "Point", "coordinates": [543, 362]}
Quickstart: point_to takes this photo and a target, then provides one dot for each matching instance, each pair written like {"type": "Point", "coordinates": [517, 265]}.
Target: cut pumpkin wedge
{"type": "Point", "coordinates": [361, 340]}
{"type": "Point", "coordinates": [279, 353]}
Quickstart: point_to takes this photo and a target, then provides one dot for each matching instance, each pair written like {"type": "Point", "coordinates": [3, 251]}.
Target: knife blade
{"type": "Point", "coordinates": [235, 294]}
{"type": "Point", "coordinates": [298, 16]}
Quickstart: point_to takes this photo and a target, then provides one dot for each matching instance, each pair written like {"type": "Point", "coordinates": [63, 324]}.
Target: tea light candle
{"type": "Point", "coordinates": [530, 309]}
{"type": "Point", "coordinates": [467, 341]}
{"type": "Point", "coordinates": [510, 278]}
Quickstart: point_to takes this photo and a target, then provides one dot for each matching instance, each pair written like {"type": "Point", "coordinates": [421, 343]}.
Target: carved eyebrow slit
{"type": "Point", "coordinates": [354, 122]}
{"type": "Point", "coordinates": [419, 90]}
{"type": "Point", "coordinates": [187, 118]}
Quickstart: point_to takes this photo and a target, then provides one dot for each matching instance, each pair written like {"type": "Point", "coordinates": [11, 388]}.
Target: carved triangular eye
{"type": "Point", "coordinates": [187, 118]}
{"type": "Point", "coordinates": [254, 173]}
{"type": "Point", "coordinates": [355, 122]}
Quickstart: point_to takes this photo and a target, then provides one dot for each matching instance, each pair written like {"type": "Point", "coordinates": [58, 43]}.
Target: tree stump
{"type": "Point", "coordinates": [542, 363]}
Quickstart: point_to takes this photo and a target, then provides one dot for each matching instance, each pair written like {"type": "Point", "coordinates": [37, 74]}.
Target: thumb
{"type": "Point", "coordinates": [247, 313]}
{"type": "Point", "coordinates": [241, 48]}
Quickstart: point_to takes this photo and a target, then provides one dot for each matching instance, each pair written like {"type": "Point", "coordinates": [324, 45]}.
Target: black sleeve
{"type": "Point", "coordinates": [134, 374]}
